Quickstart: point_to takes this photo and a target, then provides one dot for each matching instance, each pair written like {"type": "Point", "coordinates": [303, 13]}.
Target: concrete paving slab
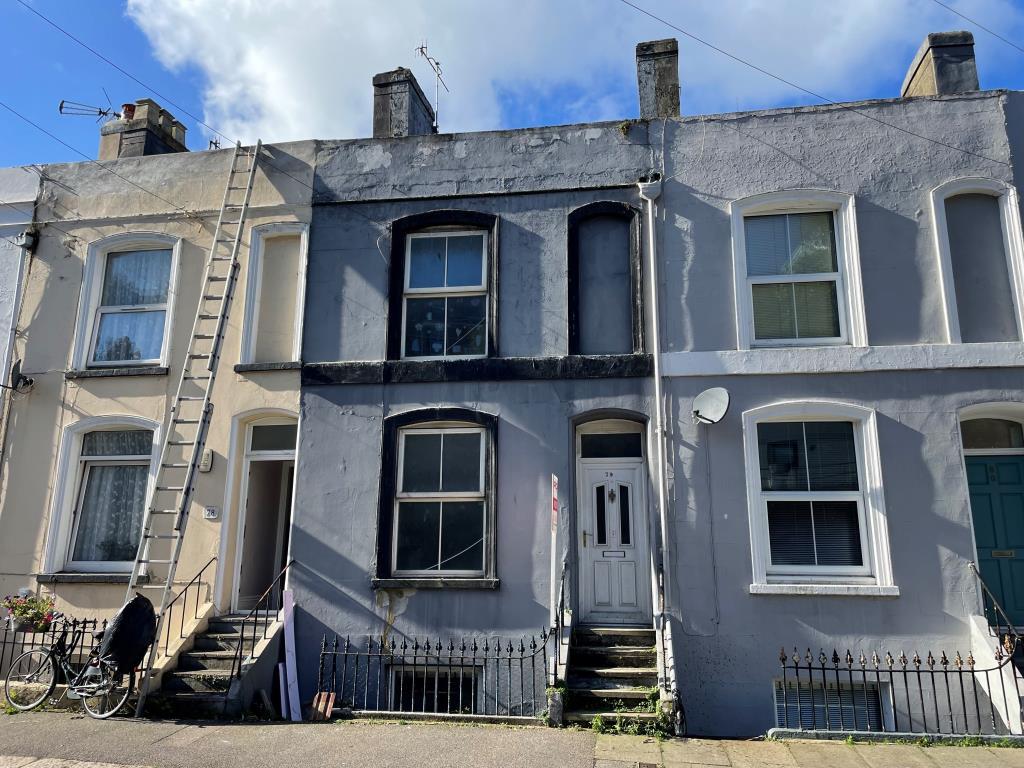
{"type": "Point", "coordinates": [816, 754]}
{"type": "Point", "coordinates": [759, 754]}
{"type": "Point", "coordinates": [963, 757]}
{"type": "Point", "coordinates": [894, 756]}
{"type": "Point", "coordinates": [631, 749]}
{"type": "Point", "coordinates": [1012, 757]}
{"type": "Point", "coordinates": [685, 752]}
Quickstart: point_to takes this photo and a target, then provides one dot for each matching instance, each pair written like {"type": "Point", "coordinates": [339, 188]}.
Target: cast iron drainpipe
{"type": "Point", "coordinates": [650, 191]}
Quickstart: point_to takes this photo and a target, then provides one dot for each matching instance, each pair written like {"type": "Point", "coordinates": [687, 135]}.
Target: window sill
{"type": "Point", "coordinates": [452, 582]}
{"type": "Point", "coordinates": [87, 578]}
{"type": "Point", "coordinates": [100, 373]}
{"type": "Point", "coordinates": [293, 365]}
{"type": "Point", "coordinates": [835, 590]}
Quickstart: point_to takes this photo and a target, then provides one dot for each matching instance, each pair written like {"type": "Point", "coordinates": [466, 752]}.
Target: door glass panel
{"type": "Point", "coordinates": [625, 529]}
{"type": "Point", "coordinates": [992, 433]}
{"type": "Point", "coordinates": [273, 437]}
{"type": "Point", "coordinates": [613, 446]}
{"type": "Point", "coordinates": [601, 535]}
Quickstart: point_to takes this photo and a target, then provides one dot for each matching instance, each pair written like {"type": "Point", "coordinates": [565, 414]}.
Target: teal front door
{"type": "Point", "coordinates": [996, 485]}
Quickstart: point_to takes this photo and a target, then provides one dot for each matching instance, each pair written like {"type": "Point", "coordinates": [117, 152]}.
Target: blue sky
{"type": "Point", "coordinates": [263, 69]}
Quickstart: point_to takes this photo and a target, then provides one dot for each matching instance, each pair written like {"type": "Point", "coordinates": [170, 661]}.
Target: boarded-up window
{"type": "Point", "coordinates": [605, 286]}
{"type": "Point", "coordinates": [984, 301]}
{"type": "Point", "coordinates": [275, 325]}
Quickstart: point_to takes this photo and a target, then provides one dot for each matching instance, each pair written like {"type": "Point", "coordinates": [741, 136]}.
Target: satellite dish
{"type": "Point", "coordinates": [711, 405]}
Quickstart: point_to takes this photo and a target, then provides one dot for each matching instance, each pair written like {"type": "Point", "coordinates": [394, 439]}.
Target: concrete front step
{"type": "Point", "coordinates": [631, 694]}
{"type": "Point", "coordinates": [198, 681]}
{"type": "Point", "coordinates": [614, 655]}
{"type": "Point", "coordinates": [586, 717]}
{"type": "Point", "coordinates": [204, 660]}
{"type": "Point", "coordinates": [209, 641]}
{"type": "Point", "coordinates": [616, 636]}
{"type": "Point", "coordinates": [614, 672]}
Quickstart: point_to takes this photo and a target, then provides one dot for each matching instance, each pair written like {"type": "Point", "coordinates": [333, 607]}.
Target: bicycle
{"type": "Point", "coordinates": [99, 684]}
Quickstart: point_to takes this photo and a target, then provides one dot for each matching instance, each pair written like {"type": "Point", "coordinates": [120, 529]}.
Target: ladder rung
{"type": "Point", "coordinates": [186, 421]}
{"type": "Point", "coordinates": [175, 465]}
{"type": "Point", "coordinates": [216, 279]}
{"type": "Point", "coordinates": [199, 356]}
{"type": "Point", "coordinates": [180, 442]}
{"type": "Point", "coordinates": [157, 562]}
{"type": "Point", "coordinates": [162, 536]}
{"type": "Point", "coordinates": [197, 378]}
{"type": "Point", "coordinates": [163, 511]}
{"type": "Point", "coordinates": [210, 297]}
{"type": "Point", "coordinates": [170, 488]}
{"type": "Point", "coordinates": [205, 316]}
{"type": "Point", "coordinates": [190, 397]}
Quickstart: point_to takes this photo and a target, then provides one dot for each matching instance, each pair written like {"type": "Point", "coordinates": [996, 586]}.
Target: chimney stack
{"type": "Point", "coordinates": [144, 128]}
{"type": "Point", "coordinates": [399, 106]}
{"type": "Point", "coordinates": [657, 78]}
{"type": "Point", "coordinates": [944, 64]}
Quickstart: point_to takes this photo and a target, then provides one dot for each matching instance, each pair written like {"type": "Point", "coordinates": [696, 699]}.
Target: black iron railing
{"type": "Point", "coordinates": [897, 694]}
{"type": "Point", "coordinates": [470, 677]}
{"type": "Point", "coordinates": [998, 620]}
{"type": "Point", "coordinates": [558, 669]}
{"type": "Point", "coordinates": [196, 593]}
{"type": "Point", "coordinates": [255, 627]}
{"type": "Point", "coordinates": [14, 643]}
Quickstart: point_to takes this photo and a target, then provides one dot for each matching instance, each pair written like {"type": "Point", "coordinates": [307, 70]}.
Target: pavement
{"type": "Point", "coordinates": [60, 740]}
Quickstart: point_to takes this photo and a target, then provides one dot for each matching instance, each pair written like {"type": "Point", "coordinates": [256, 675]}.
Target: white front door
{"type": "Point", "coordinates": [613, 551]}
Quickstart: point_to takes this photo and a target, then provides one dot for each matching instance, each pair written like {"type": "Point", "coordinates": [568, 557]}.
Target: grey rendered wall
{"type": "Point", "coordinates": [713, 160]}
{"type": "Point", "coordinates": [349, 251]}
{"type": "Point", "coordinates": [334, 524]}
{"type": "Point", "coordinates": [727, 640]}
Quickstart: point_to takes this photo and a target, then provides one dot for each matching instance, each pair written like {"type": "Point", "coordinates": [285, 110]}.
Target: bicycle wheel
{"type": "Point", "coordinates": [31, 679]}
{"type": "Point", "coordinates": [106, 691]}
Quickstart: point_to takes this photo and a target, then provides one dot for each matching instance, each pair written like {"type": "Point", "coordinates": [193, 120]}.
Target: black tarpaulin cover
{"type": "Point", "coordinates": [129, 633]}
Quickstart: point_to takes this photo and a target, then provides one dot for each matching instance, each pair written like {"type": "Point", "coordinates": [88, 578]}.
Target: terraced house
{"type": "Point", "coordinates": [122, 289]}
{"type": "Point", "coordinates": [622, 407]}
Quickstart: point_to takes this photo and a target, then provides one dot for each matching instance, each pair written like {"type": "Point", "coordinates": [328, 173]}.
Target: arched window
{"type": "Point", "coordinates": [981, 259]}
{"type": "Point", "coordinates": [815, 501]}
{"type": "Point", "coordinates": [127, 303]}
{"type": "Point", "coordinates": [437, 505]}
{"type": "Point", "coordinates": [797, 270]}
{"type": "Point", "coordinates": [105, 466]}
{"type": "Point", "coordinates": [605, 284]}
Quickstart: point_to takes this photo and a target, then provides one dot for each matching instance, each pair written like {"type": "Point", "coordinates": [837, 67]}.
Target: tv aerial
{"type": "Point", "coordinates": [711, 405]}
{"type": "Point", "coordinates": [68, 107]}
{"type": "Point", "coordinates": [438, 79]}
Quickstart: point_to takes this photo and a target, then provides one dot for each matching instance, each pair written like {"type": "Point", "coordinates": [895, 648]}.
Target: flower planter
{"type": "Point", "coordinates": [16, 625]}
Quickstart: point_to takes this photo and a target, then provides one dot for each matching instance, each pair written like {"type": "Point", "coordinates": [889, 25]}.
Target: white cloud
{"type": "Point", "coordinates": [294, 70]}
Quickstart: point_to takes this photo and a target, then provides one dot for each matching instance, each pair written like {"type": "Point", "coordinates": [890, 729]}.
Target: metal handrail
{"type": "Point", "coordinates": [559, 623]}
{"type": "Point", "coordinates": [1012, 639]}
{"type": "Point", "coordinates": [194, 582]}
{"type": "Point", "coordinates": [262, 604]}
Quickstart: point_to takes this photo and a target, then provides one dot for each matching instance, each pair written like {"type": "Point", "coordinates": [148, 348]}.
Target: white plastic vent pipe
{"type": "Point", "coordinates": [650, 191]}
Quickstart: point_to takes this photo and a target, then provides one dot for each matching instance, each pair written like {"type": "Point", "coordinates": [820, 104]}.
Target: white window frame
{"type": "Point", "coordinates": [1013, 245]}
{"type": "Point", "coordinates": [69, 485]}
{"type": "Point", "coordinates": [462, 290]}
{"type": "Point", "coordinates": [435, 428]}
{"type": "Point", "coordinates": [92, 289]}
{"type": "Point", "coordinates": [875, 576]}
{"type": "Point", "coordinates": [849, 287]}
{"type": "Point", "coordinates": [259, 235]}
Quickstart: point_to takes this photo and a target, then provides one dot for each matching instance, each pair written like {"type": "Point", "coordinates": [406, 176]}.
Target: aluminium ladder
{"type": "Point", "coordinates": [184, 439]}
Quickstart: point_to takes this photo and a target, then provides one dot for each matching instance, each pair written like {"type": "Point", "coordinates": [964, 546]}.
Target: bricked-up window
{"type": "Point", "coordinates": [445, 295]}
{"type": "Point", "coordinates": [811, 494]}
{"type": "Point", "coordinates": [604, 280]}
